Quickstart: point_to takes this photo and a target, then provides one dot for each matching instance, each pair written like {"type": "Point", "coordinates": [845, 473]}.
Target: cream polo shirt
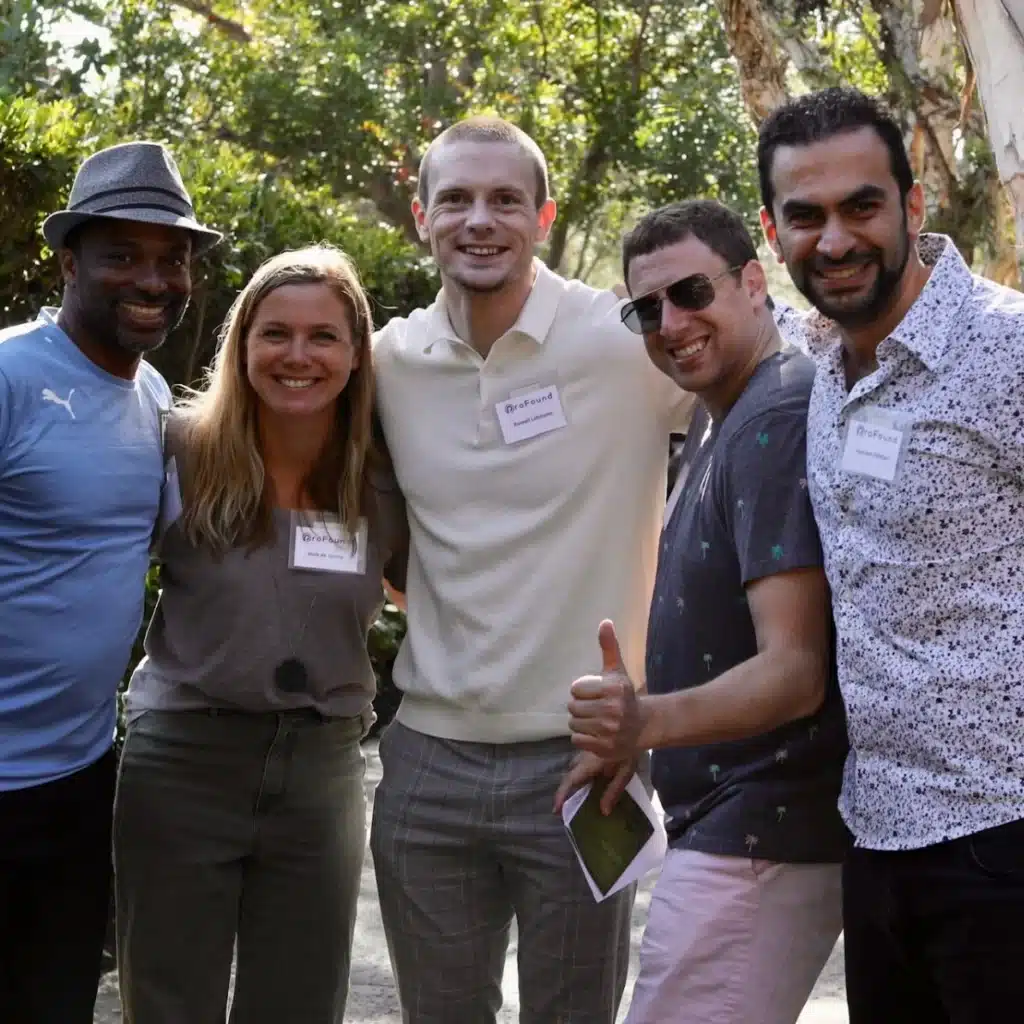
{"type": "Point", "coordinates": [518, 550]}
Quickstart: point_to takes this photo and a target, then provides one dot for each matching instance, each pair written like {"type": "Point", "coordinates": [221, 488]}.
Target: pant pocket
{"type": "Point", "coordinates": [999, 851]}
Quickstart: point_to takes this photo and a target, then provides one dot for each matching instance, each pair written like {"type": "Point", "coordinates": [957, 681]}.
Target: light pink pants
{"type": "Point", "coordinates": [730, 940]}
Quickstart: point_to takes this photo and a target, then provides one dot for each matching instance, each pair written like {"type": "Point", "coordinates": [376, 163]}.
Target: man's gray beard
{"type": "Point", "coordinates": [100, 333]}
{"type": "Point", "coordinates": [139, 350]}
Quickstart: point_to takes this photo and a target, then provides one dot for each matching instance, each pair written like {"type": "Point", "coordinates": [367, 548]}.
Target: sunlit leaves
{"type": "Point", "coordinates": [634, 101]}
{"type": "Point", "coordinates": [629, 99]}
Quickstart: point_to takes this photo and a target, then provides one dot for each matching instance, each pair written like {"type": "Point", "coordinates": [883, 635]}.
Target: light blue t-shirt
{"type": "Point", "coordinates": [81, 469]}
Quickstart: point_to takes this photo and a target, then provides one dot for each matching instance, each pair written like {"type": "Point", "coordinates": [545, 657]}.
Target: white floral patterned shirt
{"type": "Point", "coordinates": [927, 571]}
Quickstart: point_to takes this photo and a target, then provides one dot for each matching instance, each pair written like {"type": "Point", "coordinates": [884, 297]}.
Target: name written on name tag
{"type": "Point", "coordinates": [872, 449]}
{"type": "Point", "coordinates": [527, 415]}
{"type": "Point", "coordinates": [320, 542]}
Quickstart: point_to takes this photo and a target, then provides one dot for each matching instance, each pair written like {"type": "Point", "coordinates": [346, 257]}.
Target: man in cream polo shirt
{"type": "Point", "coordinates": [529, 433]}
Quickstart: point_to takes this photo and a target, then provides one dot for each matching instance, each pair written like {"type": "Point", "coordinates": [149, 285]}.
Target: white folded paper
{"type": "Point", "coordinates": [617, 849]}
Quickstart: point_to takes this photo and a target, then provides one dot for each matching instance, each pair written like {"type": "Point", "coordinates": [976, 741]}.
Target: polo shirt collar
{"type": "Point", "coordinates": [948, 287]}
{"type": "Point", "coordinates": [535, 318]}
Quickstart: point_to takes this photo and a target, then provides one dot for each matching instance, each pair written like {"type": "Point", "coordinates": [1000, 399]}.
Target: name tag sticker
{"type": "Point", "coordinates": [874, 445]}
{"type": "Point", "coordinates": [321, 543]}
{"type": "Point", "coordinates": [530, 414]}
{"type": "Point", "coordinates": [170, 497]}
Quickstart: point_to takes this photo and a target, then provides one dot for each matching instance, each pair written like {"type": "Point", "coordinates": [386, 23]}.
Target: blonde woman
{"type": "Point", "coordinates": [240, 817]}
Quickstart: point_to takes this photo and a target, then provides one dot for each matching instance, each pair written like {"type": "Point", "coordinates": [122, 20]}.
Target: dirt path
{"type": "Point", "coordinates": [372, 999]}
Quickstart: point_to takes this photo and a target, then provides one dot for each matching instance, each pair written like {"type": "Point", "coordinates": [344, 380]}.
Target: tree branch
{"type": "Point", "coordinates": [637, 54]}
{"type": "Point", "coordinates": [587, 174]}
{"type": "Point", "coordinates": [394, 203]}
{"type": "Point", "coordinates": [600, 251]}
{"type": "Point", "coordinates": [916, 90]}
{"type": "Point", "coordinates": [581, 260]}
{"type": "Point", "coordinates": [752, 44]}
{"type": "Point", "coordinates": [232, 29]}
{"type": "Point", "coordinates": [805, 54]}
{"type": "Point", "coordinates": [599, 153]}
{"type": "Point", "coordinates": [538, 18]}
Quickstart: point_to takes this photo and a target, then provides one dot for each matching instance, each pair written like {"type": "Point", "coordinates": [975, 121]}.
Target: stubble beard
{"type": "Point", "coordinates": [105, 330]}
{"type": "Point", "coordinates": [874, 304]}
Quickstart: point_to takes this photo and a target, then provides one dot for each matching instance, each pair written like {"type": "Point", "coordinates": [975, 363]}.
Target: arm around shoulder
{"type": "Point", "coordinates": [393, 524]}
{"type": "Point", "coordinates": [396, 567]}
{"type": "Point", "coordinates": [675, 405]}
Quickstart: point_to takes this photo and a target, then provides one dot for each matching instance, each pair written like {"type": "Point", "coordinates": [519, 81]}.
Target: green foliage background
{"type": "Point", "coordinates": [297, 121]}
{"type": "Point", "coordinates": [260, 211]}
{"type": "Point", "coordinates": [41, 143]}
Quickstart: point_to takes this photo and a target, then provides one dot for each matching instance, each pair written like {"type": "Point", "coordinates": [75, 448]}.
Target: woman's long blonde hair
{"type": "Point", "coordinates": [227, 498]}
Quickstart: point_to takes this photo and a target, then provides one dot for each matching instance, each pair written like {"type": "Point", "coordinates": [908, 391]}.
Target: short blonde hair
{"type": "Point", "coordinates": [486, 129]}
{"type": "Point", "coordinates": [225, 488]}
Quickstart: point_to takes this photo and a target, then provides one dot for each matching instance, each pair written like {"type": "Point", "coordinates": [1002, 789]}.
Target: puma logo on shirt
{"type": "Point", "coordinates": [50, 396]}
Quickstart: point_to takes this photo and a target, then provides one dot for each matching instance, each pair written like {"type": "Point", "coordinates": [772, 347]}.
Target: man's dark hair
{"type": "Point", "coordinates": [486, 129]}
{"type": "Point", "coordinates": [707, 220]}
{"type": "Point", "coordinates": [822, 115]}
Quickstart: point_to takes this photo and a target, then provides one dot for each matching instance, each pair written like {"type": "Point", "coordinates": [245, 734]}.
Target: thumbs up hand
{"type": "Point", "coordinates": [605, 716]}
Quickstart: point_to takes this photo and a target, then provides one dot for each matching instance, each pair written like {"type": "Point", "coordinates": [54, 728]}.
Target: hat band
{"type": "Point", "coordinates": [154, 190]}
{"type": "Point", "coordinates": [138, 206]}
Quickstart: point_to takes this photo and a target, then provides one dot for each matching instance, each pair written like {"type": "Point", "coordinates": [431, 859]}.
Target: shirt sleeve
{"type": "Point", "coordinates": [166, 395]}
{"type": "Point", "coordinates": [395, 569]}
{"type": "Point", "coordinates": [393, 521]}
{"type": "Point", "coordinates": [764, 488]}
{"type": "Point", "coordinates": [791, 324]}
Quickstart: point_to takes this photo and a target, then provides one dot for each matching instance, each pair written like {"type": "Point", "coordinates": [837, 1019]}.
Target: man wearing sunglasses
{"type": "Point", "coordinates": [742, 710]}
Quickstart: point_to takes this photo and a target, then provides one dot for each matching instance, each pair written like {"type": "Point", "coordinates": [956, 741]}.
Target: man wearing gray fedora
{"type": "Point", "coordinates": [82, 479]}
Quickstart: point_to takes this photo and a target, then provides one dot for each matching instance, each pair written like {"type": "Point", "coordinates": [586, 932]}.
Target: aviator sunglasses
{"type": "Point", "coordinates": [693, 293]}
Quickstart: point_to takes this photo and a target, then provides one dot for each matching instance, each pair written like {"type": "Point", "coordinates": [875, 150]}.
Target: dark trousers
{"type": "Point", "coordinates": [55, 871]}
{"type": "Point", "coordinates": [935, 936]}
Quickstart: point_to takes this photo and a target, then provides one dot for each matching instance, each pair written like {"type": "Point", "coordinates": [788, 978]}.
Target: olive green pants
{"type": "Point", "coordinates": [234, 829]}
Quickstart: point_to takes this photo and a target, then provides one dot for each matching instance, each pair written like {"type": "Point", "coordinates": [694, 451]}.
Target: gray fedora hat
{"type": "Point", "coordinates": [136, 181]}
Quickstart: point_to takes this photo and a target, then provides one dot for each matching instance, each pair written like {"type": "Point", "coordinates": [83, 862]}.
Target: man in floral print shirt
{"type": "Point", "coordinates": [743, 710]}
{"type": "Point", "coordinates": [916, 471]}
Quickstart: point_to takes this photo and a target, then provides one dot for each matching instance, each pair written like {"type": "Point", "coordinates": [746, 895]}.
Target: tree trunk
{"type": "Point", "coordinates": [993, 32]}
{"type": "Point", "coordinates": [392, 202]}
{"type": "Point", "coordinates": [917, 45]}
{"type": "Point", "coordinates": [233, 29]}
{"type": "Point", "coordinates": [587, 176]}
{"type": "Point", "coordinates": [757, 51]}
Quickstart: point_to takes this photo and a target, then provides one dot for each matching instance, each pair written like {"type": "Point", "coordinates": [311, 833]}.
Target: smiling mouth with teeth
{"type": "Point", "coordinates": [841, 273]}
{"type": "Point", "coordinates": [144, 313]}
{"type": "Point", "coordinates": [481, 250]}
{"type": "Point", "coordinates": [296, 383]}
{"type": "Point", "coordinates": [691, 349]}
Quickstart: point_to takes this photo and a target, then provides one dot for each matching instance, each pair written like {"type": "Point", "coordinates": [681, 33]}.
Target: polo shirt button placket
{"type": "Point", "coordinates": [488, 430]}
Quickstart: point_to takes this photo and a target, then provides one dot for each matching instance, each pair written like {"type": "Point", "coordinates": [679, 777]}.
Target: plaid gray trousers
{"type": "Point", "coordinates": [463, 838]}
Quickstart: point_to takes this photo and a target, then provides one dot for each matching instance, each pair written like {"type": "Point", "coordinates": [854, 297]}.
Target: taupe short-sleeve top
{"type": "Point", "coordinates": [224, 624]}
